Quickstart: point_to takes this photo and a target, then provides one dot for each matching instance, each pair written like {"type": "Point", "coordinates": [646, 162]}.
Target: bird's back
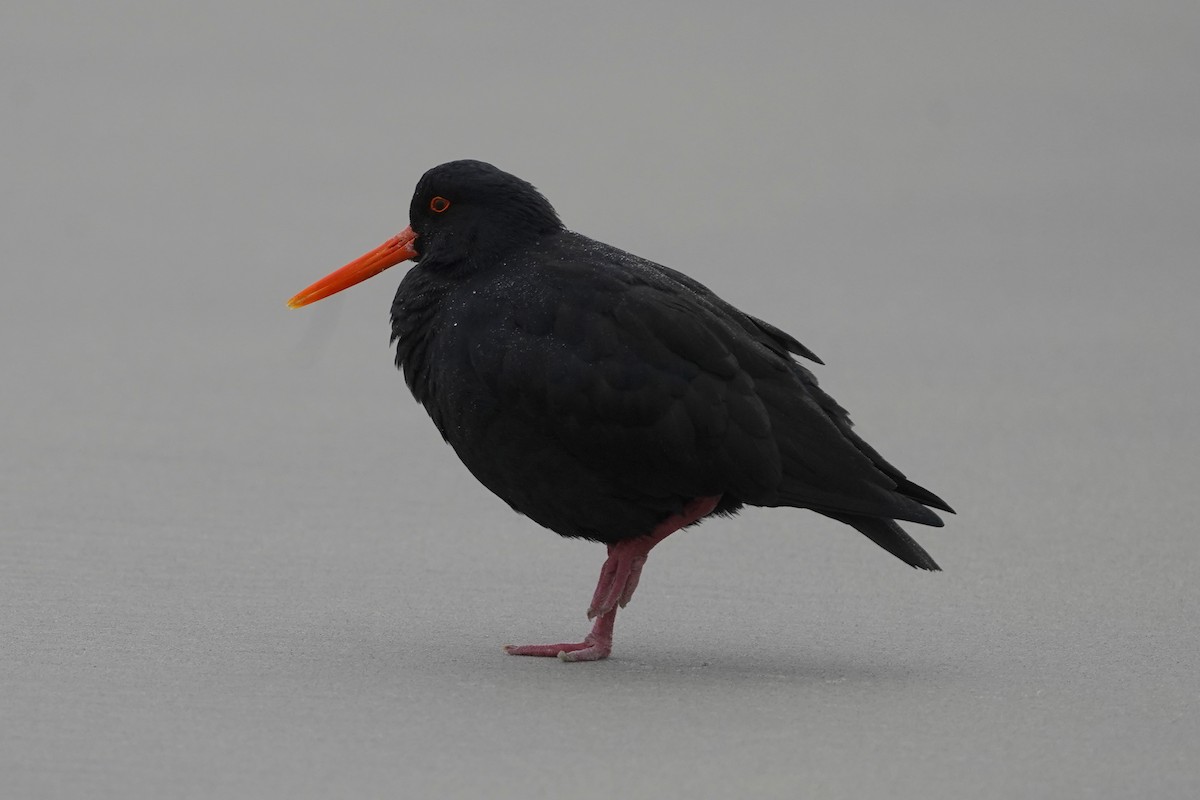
{"type": "Point", "coordinates": [598, 392]}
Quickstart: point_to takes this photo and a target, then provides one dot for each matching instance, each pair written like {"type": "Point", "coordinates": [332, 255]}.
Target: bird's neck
{"type": "Point", "coordinates": [414, 311]}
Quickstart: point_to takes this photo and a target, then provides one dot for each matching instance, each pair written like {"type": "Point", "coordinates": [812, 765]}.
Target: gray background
{"type": "Point", "coordinates": [237, 560]}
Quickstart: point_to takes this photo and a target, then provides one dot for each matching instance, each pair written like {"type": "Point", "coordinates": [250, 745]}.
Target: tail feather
{"type": "Point", "coordinates": [922, 495]}
{"type": "Point", "coordinates": [841, 418]}
{"type": "Point", "coordinates": [891, 537]}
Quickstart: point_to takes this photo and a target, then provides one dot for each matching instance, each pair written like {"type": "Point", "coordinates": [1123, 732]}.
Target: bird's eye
{"type": "Point", "coordinates": [439, 204]}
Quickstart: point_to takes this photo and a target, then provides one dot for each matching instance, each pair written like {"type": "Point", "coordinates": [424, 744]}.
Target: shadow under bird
{"type": "Point", "coordinates": [607, 397]}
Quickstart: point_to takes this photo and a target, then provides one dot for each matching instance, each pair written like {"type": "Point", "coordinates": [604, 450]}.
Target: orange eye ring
{"type": "Point", "coordinates": [439, 204]}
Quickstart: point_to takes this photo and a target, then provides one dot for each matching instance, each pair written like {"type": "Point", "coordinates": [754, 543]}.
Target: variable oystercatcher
{"type": "Point", "coordinates": [607, 397]}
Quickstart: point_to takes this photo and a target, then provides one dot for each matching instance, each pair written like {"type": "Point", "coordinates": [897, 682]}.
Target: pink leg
{"type": "Point", "coordinates": [595, 646]}
{"type": "Point", "coordinates": [618, 579]}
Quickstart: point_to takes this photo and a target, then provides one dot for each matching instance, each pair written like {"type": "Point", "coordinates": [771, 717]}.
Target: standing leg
{"type": "Point", "coordinates": [618, 579]}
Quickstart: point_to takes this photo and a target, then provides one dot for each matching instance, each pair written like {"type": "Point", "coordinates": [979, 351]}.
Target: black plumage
{"type": "Point", "coordinates": [600, 394]}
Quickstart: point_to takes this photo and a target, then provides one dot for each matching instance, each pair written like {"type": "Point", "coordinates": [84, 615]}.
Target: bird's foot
{"type": "Point", "coordinates": [618, 579]}
{"type": "Point", "coordinates": [587, 650]}
{"type": "Point", "coordinates": [619, 576]}
{"type": "Point", "coordinates": [623, 568]}
{"type": "Point", "coordinates": [596, 645]}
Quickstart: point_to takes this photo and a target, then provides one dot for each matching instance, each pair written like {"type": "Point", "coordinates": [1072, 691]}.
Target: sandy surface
{"type": "Point", "coordinates": [237, 561]}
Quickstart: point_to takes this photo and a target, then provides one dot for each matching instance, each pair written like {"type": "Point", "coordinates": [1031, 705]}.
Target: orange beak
{"type": "Point", "coordinates": [368, 265]}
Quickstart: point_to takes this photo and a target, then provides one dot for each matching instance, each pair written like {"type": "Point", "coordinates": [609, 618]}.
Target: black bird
{"type": "Point", "coordinates": [607, 397]}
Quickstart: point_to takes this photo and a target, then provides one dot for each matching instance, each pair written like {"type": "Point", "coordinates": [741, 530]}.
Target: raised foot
{"type": "Point", "coordinates": [622, 569]}
{"type": "Point", "coordinates": [618, 579]}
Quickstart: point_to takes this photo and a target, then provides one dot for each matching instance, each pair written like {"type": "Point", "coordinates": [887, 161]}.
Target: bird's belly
{"type": "Point", "coordinates": [547, 481]}
{"type": "Point", "coordinates": [558, 471]}
{"type": "Point", "coordinates": [520, 459]}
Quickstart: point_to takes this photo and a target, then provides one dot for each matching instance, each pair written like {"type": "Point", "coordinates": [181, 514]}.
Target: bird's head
{"type": "Point", "coordinates": [462, 212]}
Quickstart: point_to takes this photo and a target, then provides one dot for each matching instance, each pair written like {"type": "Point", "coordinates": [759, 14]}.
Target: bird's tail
{"type": "Point", "coordinates": [891, 537]}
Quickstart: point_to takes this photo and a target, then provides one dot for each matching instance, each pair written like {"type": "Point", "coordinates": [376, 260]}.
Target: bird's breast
{"type": "Point", "coordinates": [449, 345]}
